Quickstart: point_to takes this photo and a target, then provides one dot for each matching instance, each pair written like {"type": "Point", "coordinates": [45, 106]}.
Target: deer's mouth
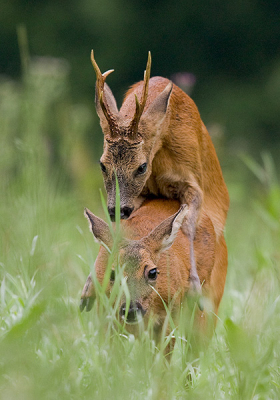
{"type": "Point", "coordinates": [134, 315]}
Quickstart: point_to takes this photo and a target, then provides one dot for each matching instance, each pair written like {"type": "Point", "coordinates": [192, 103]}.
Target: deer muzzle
{"type": "Point", "coordinates": [135, 312]}
{"type": "Point", "coordinates": [124, 212]}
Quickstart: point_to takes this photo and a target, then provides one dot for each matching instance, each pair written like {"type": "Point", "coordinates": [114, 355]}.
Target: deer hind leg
{"type": "Point", "coordinates": [192, 197]}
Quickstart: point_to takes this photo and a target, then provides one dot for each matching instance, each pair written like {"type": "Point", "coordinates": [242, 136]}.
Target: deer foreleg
{"type": "Point", "coordinates": [88, 295]}
{"type": "Point", "coordinates": [193, 198]}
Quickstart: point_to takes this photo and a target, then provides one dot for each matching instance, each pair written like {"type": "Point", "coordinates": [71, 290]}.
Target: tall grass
{"type": "Point", "coordinates": [48, 349]}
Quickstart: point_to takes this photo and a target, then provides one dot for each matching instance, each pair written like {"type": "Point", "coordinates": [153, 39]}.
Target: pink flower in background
{"type": "Point", "coordinates": [185, 80]}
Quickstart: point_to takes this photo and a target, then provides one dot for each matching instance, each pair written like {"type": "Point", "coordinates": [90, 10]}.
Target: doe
{"type": "Point", "coordinates": [155, 253]}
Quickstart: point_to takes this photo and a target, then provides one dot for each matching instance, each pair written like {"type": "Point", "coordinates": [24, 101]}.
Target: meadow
{"type": "Point", "coordinates": [48, 348]}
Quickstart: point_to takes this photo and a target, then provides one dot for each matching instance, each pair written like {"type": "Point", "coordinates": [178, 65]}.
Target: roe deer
{"type": "Point", "coordinates": [156, 254]}
{"type": "Point", "coordinates": [159, 146]}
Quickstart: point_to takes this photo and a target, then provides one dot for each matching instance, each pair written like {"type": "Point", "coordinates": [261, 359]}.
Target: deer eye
{"type": "Point", "coordinates": [103, 168]}
{"type": "Point", "coordinates": [142, 169]}
{"type": "Point", "coordinates": [152, 274]}
{"type": "Point", "coordinates": [112, 276]}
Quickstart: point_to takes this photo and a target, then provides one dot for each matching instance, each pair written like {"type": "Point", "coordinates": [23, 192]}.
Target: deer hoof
{"type": "Point", "coordinates": [86, 303]}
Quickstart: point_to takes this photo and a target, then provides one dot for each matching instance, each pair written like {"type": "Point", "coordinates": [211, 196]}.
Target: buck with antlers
{"type": "Point", "coordinates": [157, 145]}
{"type": "Point", "coordinates": [155, 255]}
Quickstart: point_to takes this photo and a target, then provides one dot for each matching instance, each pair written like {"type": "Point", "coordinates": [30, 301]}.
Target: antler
{"type": "Point", "coordinates": [140, 106]}
{"type": "Point", "coordinates": [100, 81]}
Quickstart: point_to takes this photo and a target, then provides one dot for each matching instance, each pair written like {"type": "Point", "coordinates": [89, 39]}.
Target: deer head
{"type": "Point", "coordinates": [142, 269]}
{"type": "Point", "coordinates": [130, 137]}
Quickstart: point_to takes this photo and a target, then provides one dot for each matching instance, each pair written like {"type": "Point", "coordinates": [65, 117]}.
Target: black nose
{"type": "Point", "coordinates": [125, 212]}
{"type": "Point", "coordinates": [135, 310]}
{"type": "Point", "coordinates": [111, 211]}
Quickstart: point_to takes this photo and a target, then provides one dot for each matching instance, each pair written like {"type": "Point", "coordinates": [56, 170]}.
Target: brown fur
{"type": "Point", "coordinates": [146, 229]}
{"type": "Point", "coordinates": [184, 155]}
{"type": "Point", "coordinates": [174, 143]}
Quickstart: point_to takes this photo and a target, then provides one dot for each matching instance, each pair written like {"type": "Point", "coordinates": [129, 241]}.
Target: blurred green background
{"type": "Point", "coordinates": [226, 56]}
{"type": "Point", "coordinates": [232, 49]}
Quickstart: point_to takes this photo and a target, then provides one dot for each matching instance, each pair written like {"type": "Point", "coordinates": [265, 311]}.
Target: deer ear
{"type": "Point", "coordinates": [100, 229]}
{"type": "Point", "coordinates": [163, 236]}
{"type": "Point", "coordinates": [110, 101]}
{"type": "Point", "coordinates": [157, 110]}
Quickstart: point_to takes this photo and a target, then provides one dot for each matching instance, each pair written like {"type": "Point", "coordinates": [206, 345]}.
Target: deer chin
{"type": "Point", "coordinates": [138, 202]}
{"type": "Point", "coordinates": [137, 322]}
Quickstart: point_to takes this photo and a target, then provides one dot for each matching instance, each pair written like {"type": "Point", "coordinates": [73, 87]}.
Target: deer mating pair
{"type": "Point", "coordinates": [173, 199]}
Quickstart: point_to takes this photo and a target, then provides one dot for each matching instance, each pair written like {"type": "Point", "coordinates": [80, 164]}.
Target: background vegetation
{"type": "Point", "coordinates": [232, 49]}
{"type": "Point", "coordinates": [50, 144]}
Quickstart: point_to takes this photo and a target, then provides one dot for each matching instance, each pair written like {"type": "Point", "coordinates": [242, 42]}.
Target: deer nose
{"type": "Point", "coordinates": [111, 211]}
{"type": "Point", "coordinates": [135, 312]}
{"type": "Point", "coordinates": [125, 212]}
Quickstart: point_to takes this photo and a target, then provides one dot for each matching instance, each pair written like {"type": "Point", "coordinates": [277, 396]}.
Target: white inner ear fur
{"type": "Point", "coordinates": [176, 225]}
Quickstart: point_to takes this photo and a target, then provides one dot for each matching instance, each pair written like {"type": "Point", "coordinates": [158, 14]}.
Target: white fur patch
{"type": "Point", "coordinates": [177, 223]}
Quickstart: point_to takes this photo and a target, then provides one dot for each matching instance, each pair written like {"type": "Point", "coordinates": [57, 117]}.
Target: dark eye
{"type": "Point", "coordinates": [142, 169]}
{"type": "Point", "coordinates": [112, 276]}
{"type": "Point", "coordinates": [103, 168]}
{"type": "Point", "coordinates": [152, 274]}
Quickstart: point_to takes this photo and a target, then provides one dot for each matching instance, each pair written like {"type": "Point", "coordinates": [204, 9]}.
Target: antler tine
{"type": "Point", "coordinates": [99, 76]}
{"type": "Point", "coordinates": [94, 64]}
{"type": "Point", "coordinates": [100, 81]}
{"type": "Point", "coordinates": [147, 75]}
{"type": "Point", "coordinates": [140, 106]}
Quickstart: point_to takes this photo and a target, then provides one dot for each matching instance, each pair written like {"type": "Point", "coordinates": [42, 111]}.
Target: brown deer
{"type": "Point", "coordinates": [158, 146]}
{"type": "Point", "coordinates": [157, 264]}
